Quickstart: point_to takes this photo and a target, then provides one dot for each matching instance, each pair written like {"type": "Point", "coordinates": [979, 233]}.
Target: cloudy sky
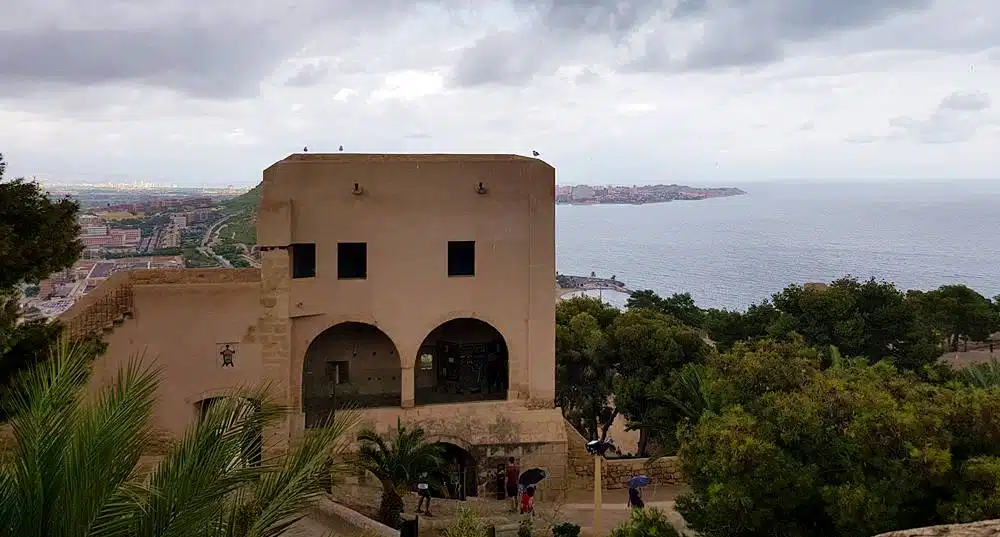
{"type": "Point", "coordinates": [609, 91]}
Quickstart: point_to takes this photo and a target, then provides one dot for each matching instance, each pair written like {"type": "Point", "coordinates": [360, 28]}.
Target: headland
{"type": "Point", "coordinates": [638, 195]}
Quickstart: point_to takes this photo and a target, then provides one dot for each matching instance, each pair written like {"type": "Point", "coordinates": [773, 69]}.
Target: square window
{"type": "Point", "coordinates": [303, 260]}
{"type": "Point", "coordinates": [461, 258]}
{"type": "Point", "coordinates": [352, 260]}
{"type": "Point", "coordinates": [338, 372]}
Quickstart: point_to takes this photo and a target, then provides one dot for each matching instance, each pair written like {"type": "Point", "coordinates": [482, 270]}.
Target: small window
{"type": "Point", "coordinates": [338, 373]}
{"type": "Point", "coordinates": [303, 260]}
{"type": "Point", "coordinates": [426, 362]}
{"type": "Point", "coordinates": [352, 260]}
{"type": "Point", "coordinates": [461, 258]}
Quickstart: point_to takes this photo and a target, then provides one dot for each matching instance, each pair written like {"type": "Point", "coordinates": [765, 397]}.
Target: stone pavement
{"type": "Point", "coordinates": [614, 514]}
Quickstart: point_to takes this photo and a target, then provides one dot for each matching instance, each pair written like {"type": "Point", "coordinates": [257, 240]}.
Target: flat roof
{"type": "Point", "coordinates": [407, 157]}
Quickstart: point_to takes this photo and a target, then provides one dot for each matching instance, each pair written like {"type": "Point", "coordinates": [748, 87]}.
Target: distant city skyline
{"type": "Point", "coordinates": [657, 91]}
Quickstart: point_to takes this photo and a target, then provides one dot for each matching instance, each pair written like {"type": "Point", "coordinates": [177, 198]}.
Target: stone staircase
{"type": "Point", "coordinates": [99, 312]}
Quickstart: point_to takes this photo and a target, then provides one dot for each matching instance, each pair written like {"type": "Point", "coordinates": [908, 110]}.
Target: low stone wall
{"type": "Point", "coordinates": [340, 517]}
{"type": "Point", "coordinates": [986, 528]}
{"type": "Point", "coordinates": [190, 276]}
{"type": "Point", "coordinates": [615, 473]}
{"type": "Point", "coordinates": [663, 471]}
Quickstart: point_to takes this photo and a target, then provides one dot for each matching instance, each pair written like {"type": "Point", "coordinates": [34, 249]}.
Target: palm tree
{"type": "Point", "coordinates": [397, 461]}
{"type": "Point", "coordinates": [72, 469]}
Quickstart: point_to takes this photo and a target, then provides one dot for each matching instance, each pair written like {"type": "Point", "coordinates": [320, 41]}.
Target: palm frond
{"type": "Point", "coordinates": [192, 482]}
{"type": "Point", "coordinates": [693, 398]}
{"type": "Point", "coordinates": [982, 374]}
{"type": "Point", "coordinates": [282, 496]}
{"type": "Point", "coordinates": [45, 403]}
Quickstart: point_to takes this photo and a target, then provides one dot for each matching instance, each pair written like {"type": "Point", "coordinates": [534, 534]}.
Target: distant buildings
{"type": "Point", "coordinates": [97, 237]}
{"type": "Point", "coordinates": [637, 195]}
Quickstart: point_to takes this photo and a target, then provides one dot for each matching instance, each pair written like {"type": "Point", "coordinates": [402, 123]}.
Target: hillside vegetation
{"type": "Point", "coordinates": [241, 226]}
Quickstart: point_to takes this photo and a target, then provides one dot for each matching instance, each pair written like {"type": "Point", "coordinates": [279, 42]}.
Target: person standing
{"type": "Point", "coordinates": [635, 498]}
{"type": "Point", "coordinates": [513, 472]}
{"type": "Point", "coordinates": [424, 491]}
{"type": "Point", "coordinates": [528, 500]}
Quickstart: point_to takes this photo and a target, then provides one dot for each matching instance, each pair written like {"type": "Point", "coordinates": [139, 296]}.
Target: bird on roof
{"type": "Point", "coordinates": [535, 153]}
{"type": "Point", "coordinates": [305, 149]}
{"type": "Point", "coordinates": [341, 148]}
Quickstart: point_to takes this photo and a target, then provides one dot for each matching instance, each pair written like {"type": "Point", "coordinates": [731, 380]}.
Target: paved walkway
{"type": "Point", "coordinates": [613, 515]}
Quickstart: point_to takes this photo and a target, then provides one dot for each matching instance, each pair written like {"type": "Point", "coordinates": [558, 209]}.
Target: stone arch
{"type": "Point", "coordinates": [462, 359]}
{"type": "Point", "coordinates": [253, 450]}
{"type": "Point", "coordinates": [349, 365]}
{"type": "Point", "coordinates": [460, 469]}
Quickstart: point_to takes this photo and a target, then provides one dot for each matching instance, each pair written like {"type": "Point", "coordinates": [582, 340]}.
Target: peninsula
{"type": "Point", "coordinates": [638, 195]}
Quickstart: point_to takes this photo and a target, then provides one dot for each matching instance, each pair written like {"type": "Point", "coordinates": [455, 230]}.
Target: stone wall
{"type": "Point", "coordinates": [986, 528]}
{"type": "Point", "coordinates": [615, 473]}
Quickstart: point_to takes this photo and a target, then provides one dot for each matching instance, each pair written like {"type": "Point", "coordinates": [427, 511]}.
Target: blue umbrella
{"type": "Point", "coordinates": [638, 481]}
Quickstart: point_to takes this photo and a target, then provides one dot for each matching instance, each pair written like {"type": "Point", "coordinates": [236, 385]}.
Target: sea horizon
{"type": "Point", "coordinates": [734, 251]}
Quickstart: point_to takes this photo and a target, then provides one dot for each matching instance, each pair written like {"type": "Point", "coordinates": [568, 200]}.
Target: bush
{"type": "Point", "coordinates": [853, 450]}
{"type": "Point", "coordinates": [468, 524]}
{"type": "Point", "coordinates": [645, 522]}
{"type": "Point", "coordinates": [566, 529]}
{"type": "Point", "coordinates": [525, 529]}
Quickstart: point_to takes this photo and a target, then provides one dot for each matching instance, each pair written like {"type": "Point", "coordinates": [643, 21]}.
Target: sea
{"type": "Point", "coordinates": [735, 251]}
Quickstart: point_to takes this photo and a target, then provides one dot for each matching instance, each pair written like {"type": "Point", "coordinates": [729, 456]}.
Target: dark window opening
{"type": "Point", "coordinates": [352, 260]}
{"type": "Point", "coordinates": [461, 258]}
{"type": "Point", "coordinates": [303, 260]}
{"type": "Point", "coordinates": [338, 373]}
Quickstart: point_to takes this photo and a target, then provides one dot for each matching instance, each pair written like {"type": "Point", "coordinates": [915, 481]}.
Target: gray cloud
{"type": "Point", "coordinates": [617, 18]}
{"type": "Point", "coordinates": [217, 49]}
{"type": "Point", "coordinates": [201, 61]}
{"type": "Point", "coordinates": [735, 33]}
{"type": "Point", "coordinates": [223, 48]}
{"type": "Point", "coordinates": [309, 74]}
{"type": "Point", "coordinates": [498, 58]}
{"type": "Point", "coordinates": [959, 117]}
{"type": "Point", "coordinates": [966, 100]}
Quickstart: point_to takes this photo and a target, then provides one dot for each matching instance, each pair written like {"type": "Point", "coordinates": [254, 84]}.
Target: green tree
{"type": "Point", "coordinates": [678, 305]}
{"type": "Point", "coordinates": [38, 236]}
{"type": "Point", "coordinates": [726, 327]}
{"type": "Point", "coordinates": [958, 312]}
{"type": "Point", "coordinates": [795, 449]}
{"type": "Point", "coordinates": [397, 460]}
{"type": "Point", "coordinates": [585, 365]}
{"type": "Point", "coordinates": [73, 466]}
{"type": "Point", "coordinates": [872, 319]}
{"type": "Point", "coordinates": [650, 348]}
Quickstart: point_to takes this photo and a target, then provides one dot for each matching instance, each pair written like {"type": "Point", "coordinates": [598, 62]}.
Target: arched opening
{"type": "Point", "coordinates": [349, 365]}
{"type": "Point", "coordinates": [460, 475]}
{"type": "Point", "coordinates": [252, 451]}
{"type": "Point", "coordinates": [459, 361]}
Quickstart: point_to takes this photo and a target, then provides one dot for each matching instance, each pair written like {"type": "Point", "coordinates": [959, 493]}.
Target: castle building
{"type": "Point", "coordinates": [413, 287]}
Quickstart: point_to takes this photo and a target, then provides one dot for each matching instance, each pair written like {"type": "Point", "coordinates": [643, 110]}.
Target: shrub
{"type": "Point", "coordinates": [646, 522]}
{"type": "Point", "coordinates": [468, 524]}
{"type": "Point", "coordinates": [566, 529]}
{"type": "Point", "coordinates": [525, 529]}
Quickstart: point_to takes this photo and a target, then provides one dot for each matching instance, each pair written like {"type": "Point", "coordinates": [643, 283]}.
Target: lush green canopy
{"type": "Point", "coordinates": [790, 448]}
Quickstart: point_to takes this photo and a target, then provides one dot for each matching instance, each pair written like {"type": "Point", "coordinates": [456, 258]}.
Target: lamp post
{"type": "Point", "coordinates": [597, 448]}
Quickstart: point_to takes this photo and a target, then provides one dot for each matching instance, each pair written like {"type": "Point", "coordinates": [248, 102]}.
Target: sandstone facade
{"type": "Point", "coordinates": [406, 210]}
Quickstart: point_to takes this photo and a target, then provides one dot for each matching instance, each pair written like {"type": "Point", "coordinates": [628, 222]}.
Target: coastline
{"type": "Point", "coordinates": [650, 202]}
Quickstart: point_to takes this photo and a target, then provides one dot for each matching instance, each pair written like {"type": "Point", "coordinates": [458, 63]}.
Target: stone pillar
{"type": "Point", "coordinates": [408, 379]}
{"type": "Point", "coordinates": [274, 332]}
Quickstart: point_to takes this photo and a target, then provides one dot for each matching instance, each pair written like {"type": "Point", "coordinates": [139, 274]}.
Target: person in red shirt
{"type": "Point", "coordinates": [528, 500]}
{"type": "Point", "coordinates": [513, 472]}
